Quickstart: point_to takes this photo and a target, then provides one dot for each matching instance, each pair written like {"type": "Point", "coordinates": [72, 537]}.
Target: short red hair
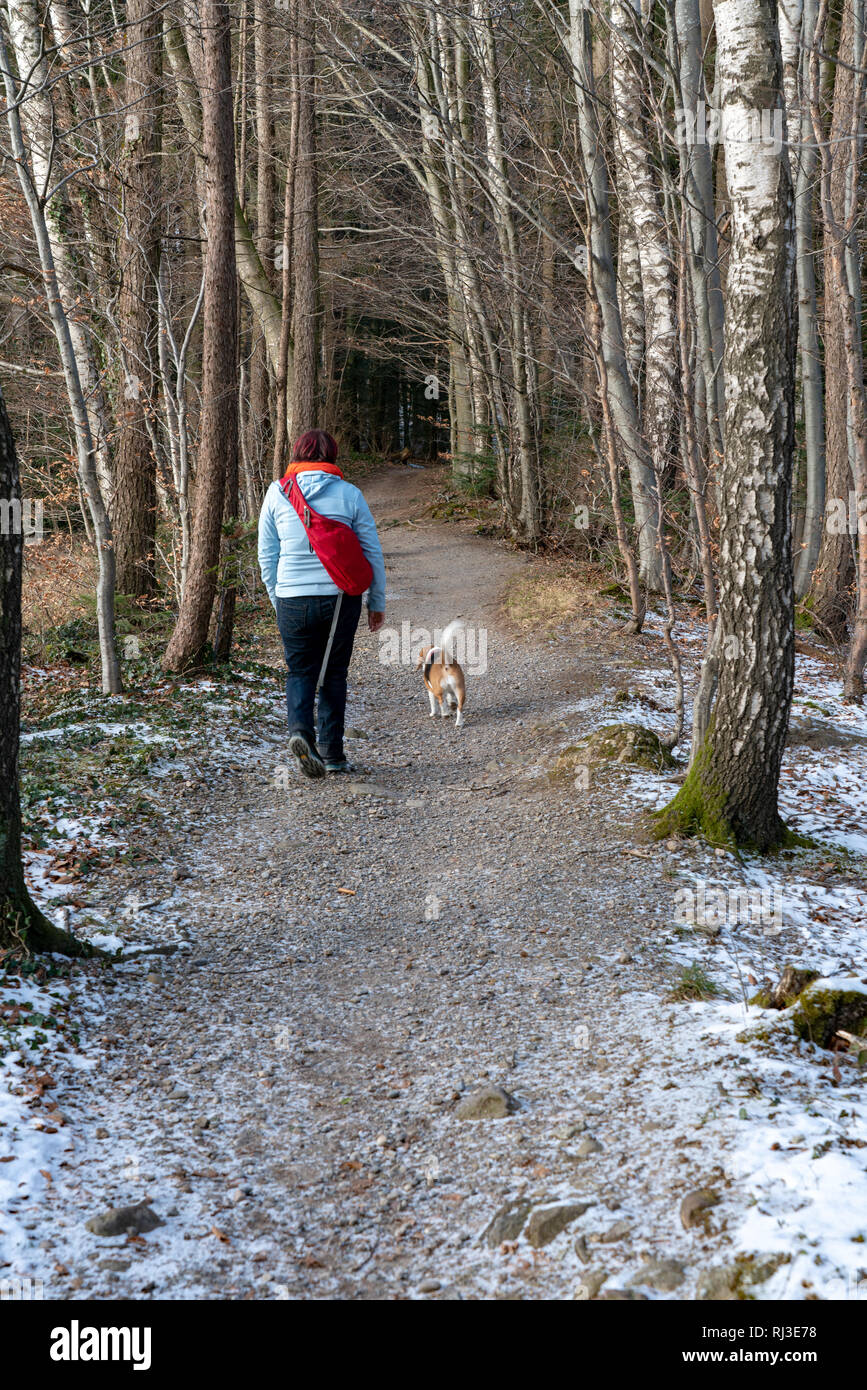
{"type": "Point", "coordinates": [315, 447]}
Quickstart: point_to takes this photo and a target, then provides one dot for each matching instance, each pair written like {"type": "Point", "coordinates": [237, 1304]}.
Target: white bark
{"type": "Point", "coordinates": [697, 164]}
{"type": "Point", "coordinates": [618, 385]}
{"type": "Point", "coordinates": [640, 204]}
{"type": "Point", "coordinates": [524, 410]}
{"type": "Point", "coordinates": [30, 123]}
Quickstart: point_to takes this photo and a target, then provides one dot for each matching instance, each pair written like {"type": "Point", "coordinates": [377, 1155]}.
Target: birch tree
{"type": "Point", "coordinates": [525, 409]}
{"type": "Point", "coordinates": [32, 137]}
{"type": "Point", "coordinates": [639, 200]}
{"type": "Point", "coordinates": [703, 243]}
{"type": "Point", "coordinates": [730, 793]}
{"type": "Point", "coordinates": [598, 218]}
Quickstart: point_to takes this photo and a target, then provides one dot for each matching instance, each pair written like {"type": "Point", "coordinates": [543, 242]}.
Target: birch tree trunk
{"type": "Point", "coordinates": [521, 351]}
{"type": "Point", "coordinates": [437, 163]}
{"type": "Point", "coordinates": [621, 396]}
{"type": "Point", "coordinates": [28, 109]}
{"type": "Point", "coordinates": [631, 304]}
{"type": "Point", "coordinates": [639, 200]}
{"type": "Point", "coordinates": [730, 793]}
{"type": "Point", "coordinates": [219, 416]}
{"type": "Point", "coordinates": [697, 164]}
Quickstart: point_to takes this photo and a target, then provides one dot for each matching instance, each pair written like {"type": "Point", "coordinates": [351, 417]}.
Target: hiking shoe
{"type": "Point", "coordinates": [308, 759]}
{"type": "Point", "coordinates": [336, 765]}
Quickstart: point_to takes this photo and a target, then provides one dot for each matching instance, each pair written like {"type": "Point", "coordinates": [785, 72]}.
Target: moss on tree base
{"type": "Point", "coordinates": [702, 808]}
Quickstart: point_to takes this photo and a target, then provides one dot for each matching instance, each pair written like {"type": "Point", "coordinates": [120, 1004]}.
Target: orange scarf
{"type": "Point", "coordinates": [305, 466]}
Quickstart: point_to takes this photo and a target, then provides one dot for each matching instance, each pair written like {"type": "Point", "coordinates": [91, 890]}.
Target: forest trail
{"type": "Point", "coordinates": [359, 957]}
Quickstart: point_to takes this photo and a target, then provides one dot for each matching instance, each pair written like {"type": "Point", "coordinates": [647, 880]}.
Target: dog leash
{"type": "Point", "coordinates": [330, 639]}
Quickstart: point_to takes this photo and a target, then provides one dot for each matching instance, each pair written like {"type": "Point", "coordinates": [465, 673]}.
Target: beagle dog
{"type": "Point", "coordinates": [443, 677]}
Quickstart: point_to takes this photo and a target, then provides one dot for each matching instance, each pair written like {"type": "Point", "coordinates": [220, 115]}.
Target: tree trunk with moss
{"type": "Point", "coordinates": [22, 925]}
{"type": "Point", "coordinates": [730, 793]}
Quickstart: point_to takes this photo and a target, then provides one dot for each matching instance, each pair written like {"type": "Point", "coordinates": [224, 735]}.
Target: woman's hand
{"type": "Point", "coordinates": [375, 620]}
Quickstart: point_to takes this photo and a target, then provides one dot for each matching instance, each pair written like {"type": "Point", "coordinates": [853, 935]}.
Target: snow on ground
{"type": "Point", "coordinates": [37, 1037]}
{"type": "Point", "coordinates": [786, 1118]}
{"type": "Point", "coordinates": [37, 1034]}
{"type": "Point", "coordinates": [805, 1159]}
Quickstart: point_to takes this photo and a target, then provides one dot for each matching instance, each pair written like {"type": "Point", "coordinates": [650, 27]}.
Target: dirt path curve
{"type": "Point", "coordinates": [286, 1093]}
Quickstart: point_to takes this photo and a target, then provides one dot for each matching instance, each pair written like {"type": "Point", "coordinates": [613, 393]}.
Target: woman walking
{"type": "Point", "coordinates": [318, 552]}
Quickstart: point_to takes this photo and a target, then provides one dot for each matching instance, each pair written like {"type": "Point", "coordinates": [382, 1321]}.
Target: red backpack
{"type": "Point", "coordinates": [335, 544]}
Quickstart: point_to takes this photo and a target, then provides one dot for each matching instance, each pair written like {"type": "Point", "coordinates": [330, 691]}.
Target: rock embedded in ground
{"type": "Point", "coordinates": [618, 1231]}
{"type": "Point", "coordinates": [507, 1223]}
{"type": "Point", "coordinates": [663, 1275]}
{"type": "Point", "coordinates": [486, 1103]}
{"type": "Point", "coordinates": [695, 1207]}
{"type": "Point", "coordinates": [569, 1131]}
{"type": "Point", "coordinates": [588, 1146]}
{"type": "Point", "coordinates": [546, 1223]}
{"type": "Point", "coordinates": [591, 1282]}
{"type": "Point", "coordinates": [118, 1221]}
{"type": "Point", "coordinates": [825, 1006]}
{"type": "Point", "coordinates": [719, 1284]}
{"type": "Point", "coordinates": [375, 789]}
{"type": "Point", "coordinates": [619, 743]}
{"type": "Point", "coordinates": [726, 1283]}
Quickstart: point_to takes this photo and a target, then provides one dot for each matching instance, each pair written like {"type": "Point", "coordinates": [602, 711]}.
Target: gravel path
{"type": "Point", "coordinates": [286, 1089]}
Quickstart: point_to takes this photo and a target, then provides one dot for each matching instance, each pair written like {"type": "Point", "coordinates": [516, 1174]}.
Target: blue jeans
{"type": "Point", "coordinates": [304, 625]}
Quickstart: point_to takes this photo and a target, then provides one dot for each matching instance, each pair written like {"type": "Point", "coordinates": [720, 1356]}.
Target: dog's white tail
{"type": "Point", "coordinates": [445, 643]}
